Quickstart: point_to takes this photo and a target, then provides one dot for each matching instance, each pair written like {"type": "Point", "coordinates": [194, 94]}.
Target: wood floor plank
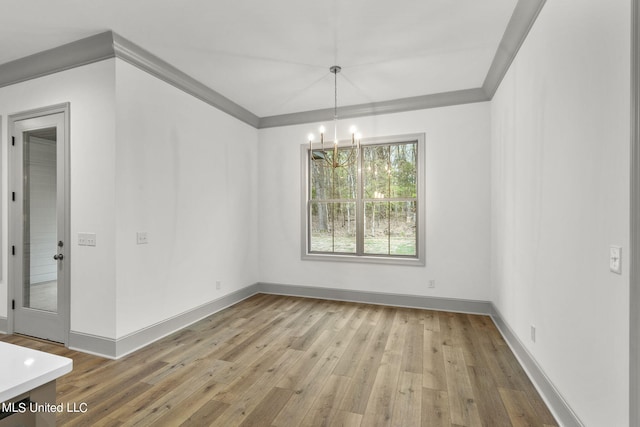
{"type": "Point", "coordinates": [308, 388]}
{"type": "Point", "coordinates": [158, 401]}
{"type": "Point", "coordinates": [431, 321]}
{"type": "Point", "coordinates": [103, 406]}
{"type": "Point", "coordinates": [490, 406]}
{"type": "Point", "coordinates": [462, 406]}
{"type": "Point", "coordinates": [365, 373]}
{"type": "Point", "coordinates": [207, 414]}
{"type": "Point", "coordinates": [251, 398]}
{"type": "Point", "coordinates": [274, 360]}
{"type": "Point", "coordinates": [435, 408]}
{"type": "Point", "coordinates": [458, 332]}
{"type": "Point", "coordinates": [348, 419]}
{"type": "Point", "coordinates": [408, 403]}
{"type": "Point", "coordinates": [200, 398]}
{"type": "Point", "coordinates": [520, 411]}
{"type": "Point", "coordinates": [325, 408]}
{"type": "Point", "coordinates": [252, 339]}
{"type": "Point", "coordinates": [246, 376]}
{"type": "Point", "coordinates": [379, 409]}
{"type": "Point", "coordinates": [433, 373]}
{"type": "Point", "coordinates": [307, 339]}
{"type": "Point", "coordinates": [268, 408]}
{"type": "Point", "coordinates": [412, 356]}
{"type": "Point", "coordinates": [294, 377]}
{"type": "Point", "coordinates": [355, 349]}
{"type": "Point", "coordinates": [540, 409]}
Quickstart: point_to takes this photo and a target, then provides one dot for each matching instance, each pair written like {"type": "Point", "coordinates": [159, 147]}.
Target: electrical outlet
{"type": "Point", "coordinates": [142, 237]}
{"type": "Point", "coordinates": [533, 333]}
{"type": "Point", "coordinates": [615, 258]}
{"type": "Point", "coordinates": [218, 284]}
{"type": "Point", "coordinates": [432, 283]}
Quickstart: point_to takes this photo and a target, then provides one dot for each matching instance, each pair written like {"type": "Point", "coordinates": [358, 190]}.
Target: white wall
{"type": "Point", "coordinates": [145, 156]}
{"type": "Point", "coordinates": [186, 173]}
{"type": "Point", "coordinates": [457, 203]}
{"type": "Point", "coordinates": [91, 91]}
{"type": "Point", "coordinates": [560, 191]}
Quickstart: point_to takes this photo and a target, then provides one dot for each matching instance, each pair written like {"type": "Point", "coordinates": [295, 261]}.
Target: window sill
{"type": "Point", "coordinates": [365, 259]}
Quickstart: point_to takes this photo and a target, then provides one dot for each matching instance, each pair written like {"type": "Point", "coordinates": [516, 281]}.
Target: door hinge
{"type": "Point", "coordinates": [13, 196]}
{"type": "Point", "coordinates": [13, 140]}
{"type": "Point", "coordinates": [13, 250]}
{"type": "Point", "coordinates": [13, 304]}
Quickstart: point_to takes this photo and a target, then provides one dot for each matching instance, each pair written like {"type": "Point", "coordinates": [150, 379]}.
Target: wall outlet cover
{"type": "Point", "coordinates": [142, 237]}
{"type": "Point", "coordinates": [615, 259]}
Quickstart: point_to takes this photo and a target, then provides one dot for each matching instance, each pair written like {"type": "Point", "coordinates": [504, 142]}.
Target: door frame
{"type": "Point", "coordinates": [634, 249]}
{"type": "Point", "coordinates": [15, 224]}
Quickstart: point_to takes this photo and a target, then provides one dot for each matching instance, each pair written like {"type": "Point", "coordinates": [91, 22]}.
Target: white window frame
{"type": "Point", "coordinates": [305, 185]}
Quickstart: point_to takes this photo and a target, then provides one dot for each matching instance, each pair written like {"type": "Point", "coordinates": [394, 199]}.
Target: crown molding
{"type": "Point", "coordinates": [109, 45]}
{"type": "Point", "coordinates": [75, 54]}
{"type": "Point", "coordinates": [443, 99]}
{"type": "Point", "coordinates": [524, 15]}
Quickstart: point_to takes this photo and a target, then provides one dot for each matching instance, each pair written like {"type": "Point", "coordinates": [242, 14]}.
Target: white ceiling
{"type": "Point", "coordinates": [273, 57]}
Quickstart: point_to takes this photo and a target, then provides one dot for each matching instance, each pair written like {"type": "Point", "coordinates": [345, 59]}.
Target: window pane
{"type": "Point", "coordinates": [390, 171]}
{"type": "Point", "coordinates": [403, 170]}
{"type": "Point", "coordinates": [333, 227]}
{"type": "Point", "coordinates": [390, 228]}
{"type": "Point", "coordinates": [329, 182]}
{"type": "Point", "coordinates": [375, 172]}
{"type": "Point", "coordinates": [376, 228]}
{"type": "Point", "coordinates": [402, 234]}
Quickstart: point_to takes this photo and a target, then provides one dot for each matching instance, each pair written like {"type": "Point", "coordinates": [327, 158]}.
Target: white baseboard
{"type": "Point", "coordinates": [550, 394]}
{"type": "Point", "coordinates": [4, 325]}
{"type": "Point", "coordinates": [397, 300]}
{"type": "Point", "coordinates": [117, 348]}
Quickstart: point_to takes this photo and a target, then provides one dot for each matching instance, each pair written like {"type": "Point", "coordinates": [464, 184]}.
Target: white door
{"type": "Point", "coordinates": [38, 249]}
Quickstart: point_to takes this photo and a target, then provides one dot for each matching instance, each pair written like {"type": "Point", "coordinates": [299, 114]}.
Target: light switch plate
{"type": "Point", "coordinates": [142, 237]}
{"type": "Point", "coordinates": [86, 239]}
{"type": "Point", "coordinates": [615, 259]}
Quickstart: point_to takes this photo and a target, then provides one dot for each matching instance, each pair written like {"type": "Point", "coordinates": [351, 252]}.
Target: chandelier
{"type": "Point", "coordinates": [329, 156]}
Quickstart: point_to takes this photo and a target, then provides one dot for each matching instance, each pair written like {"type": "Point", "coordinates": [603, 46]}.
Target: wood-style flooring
{"type": "Point", "coordinates": [286, 361]}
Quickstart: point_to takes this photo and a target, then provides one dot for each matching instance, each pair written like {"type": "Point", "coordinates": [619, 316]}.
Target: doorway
{"type": "Point", "coordinates": [39, 224]}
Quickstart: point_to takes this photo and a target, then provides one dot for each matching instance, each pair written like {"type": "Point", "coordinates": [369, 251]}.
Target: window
{"type": "Point", "coordinates": [365, 204]}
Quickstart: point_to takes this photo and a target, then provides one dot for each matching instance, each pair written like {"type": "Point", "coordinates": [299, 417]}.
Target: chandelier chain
{"type": "Point", "coordinates": [335, 100]}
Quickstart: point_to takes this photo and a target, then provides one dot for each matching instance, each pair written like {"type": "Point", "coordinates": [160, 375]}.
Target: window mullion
{"type": "Point", "coordinates": [360, 204]}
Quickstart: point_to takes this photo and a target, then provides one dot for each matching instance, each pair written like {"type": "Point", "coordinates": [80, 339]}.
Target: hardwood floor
{"type": "Point", "coordinates": [285, 361]}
